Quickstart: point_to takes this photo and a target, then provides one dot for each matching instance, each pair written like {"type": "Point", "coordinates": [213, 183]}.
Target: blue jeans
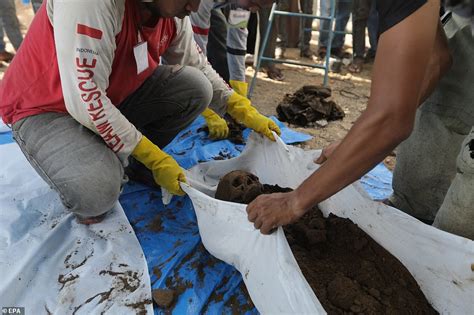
{"type": "Point", "coordinates": [343, 12]}
{"type": "Point", "coordinates": [77, 163]}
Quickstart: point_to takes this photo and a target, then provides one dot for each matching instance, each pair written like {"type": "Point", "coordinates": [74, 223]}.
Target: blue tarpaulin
{"type": "Point", "coordinates": [169, 234]}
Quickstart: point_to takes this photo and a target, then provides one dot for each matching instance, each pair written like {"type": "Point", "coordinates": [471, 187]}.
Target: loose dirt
{"type": "Point", "coordinates": [349, 272]}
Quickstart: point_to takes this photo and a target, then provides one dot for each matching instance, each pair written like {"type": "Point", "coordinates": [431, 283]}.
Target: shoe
{"type": "Point", "coordinates": [356, 65]}
{"type": "Point", "coordinates": [370, 56]}
{"type": "Point", "coordinates": [274, 73]}
{"type": "Point", "coordinates": [5, 56]}
{"type": "Point", "coordinates": [307, 53]}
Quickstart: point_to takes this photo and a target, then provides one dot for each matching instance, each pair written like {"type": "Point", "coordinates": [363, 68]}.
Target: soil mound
{"type": "Point", "coordinates": [349, 272]}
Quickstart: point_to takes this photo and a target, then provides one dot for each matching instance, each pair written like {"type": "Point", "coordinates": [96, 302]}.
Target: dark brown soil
{"type": "Point", "coordinates": [348, 271]}
{"type": "Point", "coordinates": [235, 130]}
{"type": "Point", "coordinates": [163, 297]}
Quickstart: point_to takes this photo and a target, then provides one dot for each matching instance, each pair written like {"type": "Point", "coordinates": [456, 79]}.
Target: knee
{"type": "Point", "coordinates": [200, 86]}
{"type": "Point", "coordinates": [93, 193]}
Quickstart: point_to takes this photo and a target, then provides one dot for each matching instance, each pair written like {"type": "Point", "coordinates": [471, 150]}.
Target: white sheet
{"type": "Point", "coordinates": [50, 263]}
{"type": "Point", "coordinates": [441, 263]}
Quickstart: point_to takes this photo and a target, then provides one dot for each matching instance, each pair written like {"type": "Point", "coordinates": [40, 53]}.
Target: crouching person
{"type": "Point", "coordinates": [100, 83]}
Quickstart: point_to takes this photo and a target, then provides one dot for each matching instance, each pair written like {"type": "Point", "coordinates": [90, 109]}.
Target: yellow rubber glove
{"type": "Point", "coordinates": [240, 87]}
{"type": "Point", "coordinates": [166, 171]}
{"type": "Point", "coordinates": [218, 128]}
{"type": "Point", "coordinates": [240, 109]}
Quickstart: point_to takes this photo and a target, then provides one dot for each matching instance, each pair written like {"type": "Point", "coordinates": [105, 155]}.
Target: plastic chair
{"type": "Point", "coordinates": [274, 12]}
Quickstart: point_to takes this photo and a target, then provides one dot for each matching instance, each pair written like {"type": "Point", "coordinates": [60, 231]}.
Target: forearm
{"type": "Point", "coordinates": [369, 141]}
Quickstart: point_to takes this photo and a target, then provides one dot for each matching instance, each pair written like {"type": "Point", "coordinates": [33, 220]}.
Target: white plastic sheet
{"type": "Point", "coordinates": [440, 262]}
{"type": "Point", "coordinates": [49, 263]}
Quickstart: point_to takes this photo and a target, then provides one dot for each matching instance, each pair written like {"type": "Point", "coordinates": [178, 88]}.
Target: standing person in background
{"type": "Point", "coordinates": [361, 10]}
{"type": "Point", "coordinates": [343, 12]}
{"type": "Point", "coordinates": [268, 67]}
{"type": "Point", "coordinates": [306, 6]}
{"type": "Point", "coordinates": [223, 38]}
{"type": "Point", "coordinates": [10, 25]}
{"type": "Point", "coordinates": [373, 28]}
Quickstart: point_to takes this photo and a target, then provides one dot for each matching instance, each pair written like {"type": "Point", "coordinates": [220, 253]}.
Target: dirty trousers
{"type": "Point", "coordinates": [434, 175]}
{"type": "Point", "coordinates": [76, 162]}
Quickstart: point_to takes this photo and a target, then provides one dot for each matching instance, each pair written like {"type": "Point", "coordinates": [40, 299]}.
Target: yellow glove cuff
{"type": "Point", "coordinates": [148, 153]}
{"type": "Point", "coordinates": [209, 113]}
{"type": "Point", "coordinates": [239, 87]}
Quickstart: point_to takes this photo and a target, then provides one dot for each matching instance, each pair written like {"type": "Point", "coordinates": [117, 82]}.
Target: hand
{"type": "Point", "coordinates": [267, 212]}
{"type": "Point", "coordinates": [166, 171]}
{"type": "Point", "coordinates": [217, 126]}
{"type": "Point", "coordinates": [240, 109]}
{"type": "Point", "coordinates": [327, 152]}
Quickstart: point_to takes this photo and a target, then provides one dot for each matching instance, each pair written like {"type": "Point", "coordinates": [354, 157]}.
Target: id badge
{"type": "Point", "coordinates": [238, 18]}
{"type": "Point", "coordinates": [140, 51]}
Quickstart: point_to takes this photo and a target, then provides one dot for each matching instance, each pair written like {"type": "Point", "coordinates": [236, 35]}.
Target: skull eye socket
{"type": "Point", "coordinates": [237, 182]}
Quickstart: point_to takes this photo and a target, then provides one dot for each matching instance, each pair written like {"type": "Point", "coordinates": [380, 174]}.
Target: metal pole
{"type": "Point", "coordinates": [261, 49]}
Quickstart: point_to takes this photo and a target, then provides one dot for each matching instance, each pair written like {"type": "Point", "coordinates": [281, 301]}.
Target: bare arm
{"type": "Point", "coordinates": [398, 86]}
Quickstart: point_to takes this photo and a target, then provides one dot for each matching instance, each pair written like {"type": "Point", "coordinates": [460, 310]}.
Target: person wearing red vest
{"type": "Point", "coordinates": [98, 83]}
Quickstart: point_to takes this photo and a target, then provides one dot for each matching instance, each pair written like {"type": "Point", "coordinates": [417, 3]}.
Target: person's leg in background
{"type": "Point", "coordinates": [217, 44]}
{"type": "Point", "coordinates": [10, 22]}
{"type": "Point", "coordinates": [373, 28]}
{"type": "Point", "coordinates": [343, 13]}
{"type": "Point", "coordinates": [325, 10]}
{"type": "Point", "coordinates": [4, 55]}
{"type": "Point", "coordinates": [428, 182]}
{"type": "Point", "coordinates": [360, 15]}
{"type": "Point", "coordinates": [269, 67]}
{"type": "Point", "coordinates": [282, 32]}
{"type": "Point", "coordinates": [307, 27]}
{"type": "Point", "coordinates": [36, 4]}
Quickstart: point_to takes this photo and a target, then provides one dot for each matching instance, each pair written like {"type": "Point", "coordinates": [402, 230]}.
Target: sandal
{"type": "Point", "coordinates": [322, 52]}
{"type": "Point", "coordinates": [356, 65]}
{"type": "Point", "coordinates": [274, 73]}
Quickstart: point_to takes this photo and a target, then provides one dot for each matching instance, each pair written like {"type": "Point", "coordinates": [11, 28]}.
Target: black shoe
{"type": "Point", "coordinates": [138, 172]}
{"type": "Point", "coordinates": [307, 53]}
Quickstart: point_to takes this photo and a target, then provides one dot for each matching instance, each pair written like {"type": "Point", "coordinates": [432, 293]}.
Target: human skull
{"type": "Point", "coordinates": [239, 186]}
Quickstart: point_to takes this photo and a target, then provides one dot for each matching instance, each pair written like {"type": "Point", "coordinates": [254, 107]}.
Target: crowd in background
{"type": "Point", "coordinates": [363, 13]}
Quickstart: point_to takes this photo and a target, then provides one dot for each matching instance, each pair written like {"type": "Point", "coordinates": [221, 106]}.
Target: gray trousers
{"type": "Point", "coordinates": [76, 162]}
{"type": "Point", "coordinates": [434, 175]}
{"type": "Point", "coordinates": [10, 23]}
